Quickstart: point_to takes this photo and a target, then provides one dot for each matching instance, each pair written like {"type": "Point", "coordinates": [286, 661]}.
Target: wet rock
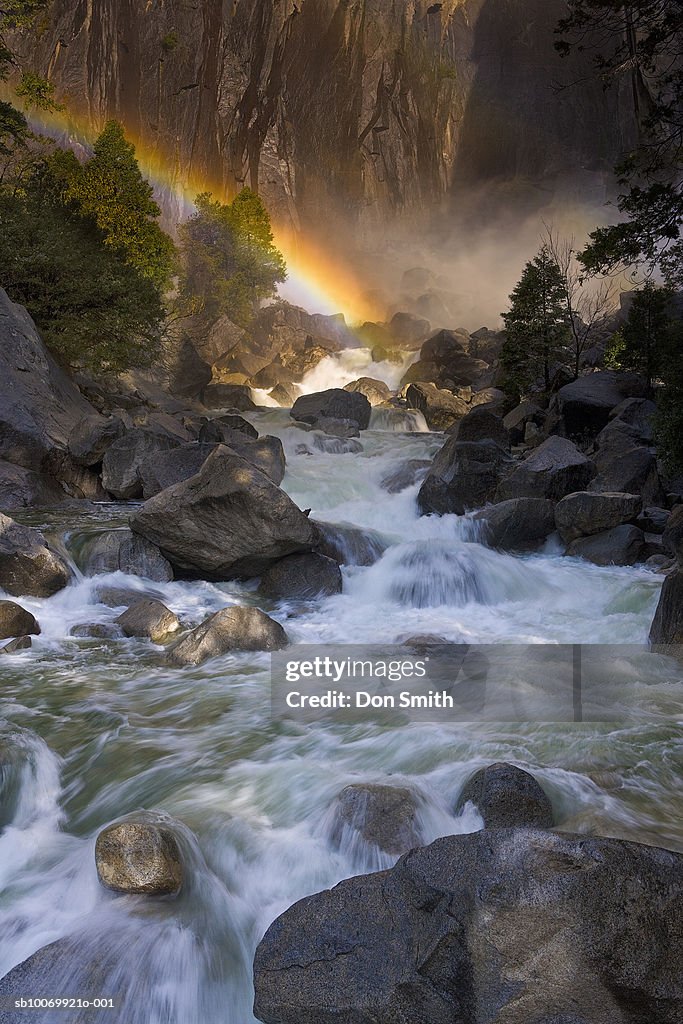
{"type": "Point", "coordinates": [556, 468]}
{"type": "Point", "coordinates": [653, 519]}
{"type": "Point", "coordinates": [349, 545]}
{"type": "Point", "coordinates": [518, 524]}
{"type": "Point", "coordinates": [584, 406]}
{"type": "Point", "coordinates": [481, 424]}
{"type": "Point", "coordinates": [338, 428]}
{"type": "Point", "coordinates": [672, 538]}
{"type": "Point", "coordinates": [222, 429]}
{"type": "Point", "coordinates": [507, 797]}
{"type": "Point", "coordinates": [231, 629]}
{"type": "Point", "coordinates": [407, 475]}
{"type": "Point", "coordinates": [122, 550]}
{"type": "Point", "coordinates": [22, 488]}
{"type": "Point", "coordinates": [123, 461]}
{"type": "Point", "coordinates": [272, 374]}
{"type": "Point", "coordinates": [22, 643]}
{"type": "Point", "coordinates": [139, 857]}
{"type": "Point", "coordinates": [376, 391]}
{"type": "Point", "coordinates": [227, 521]}
{"type": "Point", "coordinates": [337, 445]}
{"type": "Point", "coordinates": [123, 597]}
{"type": "Point", "coordinates": [16, 621]}
{"type": "Point", "coordinates": [149, 618]}
{"type": "Point", "coordinates": [585, 513]}
{"type": "Point", "coordinates": [440, 408]}
{"type": "Point", "coordinates": [422, 641]}
{"type": "Point", "coordinates": [667, 626]}
{"type": "Point", "coordinates": [229, 396]}
{"type": "Point", "coordinates": [97, 631]}
{"type": "Point", "coordinates": [660, 563]}
{"type": "Point", "coordinates": [27, 565]}
{"type": "Point", "coordinates": [285, 395]}
{"type": "Point", "coordinates": [335, 404]}
{"type": "Point", "coordinates": [385, 816]}
{"type": "Point", "coordinates": [468, 930]}
{"type": "Point", "coordinates": [91, 437]}
{"type": "Point", "coordinates": [302, 577]}
{"type": "Point", "coordinates": [622, 545]}
{"type": "Point", "coordinates": [464, 476]}
{"type": "Point", "coordinates": [408, 330]}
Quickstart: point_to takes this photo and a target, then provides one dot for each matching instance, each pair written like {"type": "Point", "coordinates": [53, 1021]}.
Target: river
{"type": "Point", "coordinates": [107, 729]}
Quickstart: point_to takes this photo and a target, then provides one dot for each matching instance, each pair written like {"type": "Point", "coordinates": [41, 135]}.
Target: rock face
{"type": "Point", "coordinates": [302, 577]}
{"type": "Point", "coordinates": [507, 797]}
{"type": "Point", "coordinates": [124, 551]}
{"type": "Point", "coordinates": [584, 513]}
{"type": "Point", "coordinates": [385, 816]}
{"type": "Point", "coordinates": [554, 469]}
{"type": "Point", "coordinates": [518, 524]}
{"type": "Point", "coordinates": [22, 488]}
{"type": "Point", "coordinates": [335, 404]}
{"type": "Point", "coordinates": [139, 857]}
{"type": "Point", "coordinates": [464, 476]}
{"type": "Point", "coordinates": [470, 928]}
{"type": "Point", "coordinates": [672, 538]}
{"type": "Point", "coordinates": [16, 621]}
{"type": "Point", "coordinates": [91, 437]}
{"type": "Point", "coordinates": [232, 629]}
{"type": "Point", "coordinates": [149, 618]}
{"type": "Point", "coordinates": [227, 521]}
{"type": "Point", "coordinates": [27, 565]}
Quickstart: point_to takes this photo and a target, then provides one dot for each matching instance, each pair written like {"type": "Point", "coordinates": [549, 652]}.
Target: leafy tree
{"type": "Point", "coordinates": [537, 332]}
{"type": "Point", "coordinates": [230, 261]}
{"type": "Point", "coordinates": [111, 189]}
{"type": "Point", "coordinates": [645, 334]}
{"type": "Point", "coordinates": [639, 43]}
{"type": "Point", "coordinates": [14, 130]}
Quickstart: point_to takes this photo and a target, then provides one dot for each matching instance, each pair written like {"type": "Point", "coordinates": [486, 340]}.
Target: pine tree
{"type": "Point", "coordinates": [646, 331]}
{"type": "Point", "coordinates": [537, 332]}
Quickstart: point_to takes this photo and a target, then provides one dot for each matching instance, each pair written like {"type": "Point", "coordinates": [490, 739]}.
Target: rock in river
{"type": "Point", "coordinates": [335, 404]}
{"type": "Point", "coordinates": [149, 618]}
{"type": "Point", "coordinates": [27, 565]}
{"type": "Point", "coordinates": [385, 816]}
{"type": "Point", "coordinates": [302, 577]}
{"type": "Point", "coordinates": [16, 621]}
{"type": "Point", "coordinates": [506, 796]}
{"type": "Point", "coordinates": [231, 629]}
{"type": "Point", "coordinates": [141, 857]}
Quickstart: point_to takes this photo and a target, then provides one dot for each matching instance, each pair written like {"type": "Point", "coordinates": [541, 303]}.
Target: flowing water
{"type": "Point", "coordinates": [102, 728]}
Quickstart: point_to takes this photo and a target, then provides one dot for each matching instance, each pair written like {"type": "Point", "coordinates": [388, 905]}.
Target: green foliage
{"type": "Point", "coordinates": [669, 420]}
{"type": "Point", "coordinates": [614, 352]}
{"type": "Point", "coordinates": [38, 92]}
{"type": "Point", "coordinates": [92, 308]}
{"type": "Point", "coordinates": [14, 130]}
{"type": "Point", "coordinates": [170, 42]}
{"type": "Point", "coordinates": [537, 331]}
{"type": "Point", "coordinates": [111, 189]}
{"type": "Point", "coordinates": [230, 262]}
{"type": "Point", "coordinates": [645, 333]}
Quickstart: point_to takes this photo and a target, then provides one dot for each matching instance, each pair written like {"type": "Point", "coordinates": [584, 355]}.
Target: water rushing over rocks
{"type": "Point", "coordinates": [97, 728]}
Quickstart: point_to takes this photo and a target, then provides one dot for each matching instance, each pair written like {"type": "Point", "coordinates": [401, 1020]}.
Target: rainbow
{"type": "Point", "coordinates": [316, 281]}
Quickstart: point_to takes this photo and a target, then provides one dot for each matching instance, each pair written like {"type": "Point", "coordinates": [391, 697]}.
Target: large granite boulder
{"type": "Point", "coordinates": [383, 816]}
{"type": "Point", "coordinates": [123, 461]}
{"type": "Point", "coordinates": [667, 626]}
{"type": "Point", "coordinates": [231, 629]}
{"type": "Point", "coordinates": [302, 577]}
{"type": "Point", "coordinates": [520, 524]}
{"type": "Point", "coordinates": [148, 618]}
{"type": "Point", "coordinates": [335, 404]}
{"type": "Point", "coordinates": [583, 407]}
{"type": "Point", "coordinates": [516, 926]}
{"type": "Point", "coordinates": [506, 797]}
{"type": "Point", "coordinates": [27, 565]}
{"type": "Point", "coordinates": [16, 621]}
{"type": "Point", "coordinates": [22, 488]}
{"type": "Point", "coordinates": [140, 857]}
{"type": "Point", "coordinates": [91, 438]}
{"type": "Point", "coordinates": [622, 545]}
{"type": "Point", "coordinates": [585, 513]}
{"type": "Point", "coordinates": [482, 424]}
{"type": "Point", "coordinates": [227, 521]}
{"type": "Point", "coordinates": [163, 469]}
{"type": "Point", "coordinates": [444, 361]}
{"type": "Point", "coordinates": [121, 550]}
{"type": "Point", "coordinates": [554, 469]}
{"type": "Point", "coordinates": [376, 391]}
{"type": "Point", "coordinates": [349, 545]}
{"type": "Point", "coordinates": [440, 408]}
{"type": "Point", "coordinates": [229, 396]}
{"type": "Point", "coordinates": [464, 476]}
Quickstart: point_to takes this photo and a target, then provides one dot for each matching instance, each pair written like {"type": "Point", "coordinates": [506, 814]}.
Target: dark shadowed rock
{"type": "Point", "coordinates": [149, 618]}
{"type": "Point", "coordinates": [516, 420]}
{"type": "Point", "coordinates": [222, 429]}
{"type": "Point", "coordinates": [227, 521]}
{"type": "Point", "coordinates": [123, 461]}
{"type": "Point", "coordinates": [667, 627]}
{"type": "Point", "coordinates": [92, 436]}
{"type": "Point", "coordinates": [507, 797]}
{"type": "Point", "coordinates": [481, 424]}
{"type": "Point", "coordinates": [585, 513]}
{"type": "Point", "coordinates": [335, 404]}
{"type": "Point", "coordinates": [231, 629]}
{"type": "Point", "coordinates": [27, 565]}
{"type": "Point", "coordinates": [123, 551]}
{"type": "Point", "coordinates": [672, 537]}
{"type": "Point", "coordinates": [228, 396]}
{"type": "Point", "coordinates": [285, 395]}
{"type": "Point", "coordinates": [139, 857]}
{"type": "Point", "coordinates": [464, 476]}
{"type": "Point", "coordinates": [653, 519]}
{"type": "Point", "coordinates": [349, 545]}
{"type": "Point", "coordinates": [16, 621]}
{"type": "Point", "coordinates": [123, 597]}
{"type": "Point", "coordinates": [302, 577]}
{"type": "Point", "coordinates": [164, 469]}
{"type": "Point", "coordinates": [385, 816]}
{"type": "Point", "coordinates": [191, 373]}
{"type": "Point", "coordinates": [337, 445]}
{"type": "Point", "coordinates": [440, 408]}
{"type": "Point", "coordinates": [623, 545]}
{"type": "Point", "coordinates": [554, 469]}
{"type": "Point", "coordinates": [407, 475]}
{"type": "Point", "coordinates": [518, 524]}
{"type": "Point", "coordinates": [584, 406]}
{"type": "Point", "coordinates": [22, 488]}
{"type": "Point", "coordinates": [21, 643]}
{"type": "Point", "coordinates": [468, 930]}
{"type": "Point", "coordinates": [376, 391]}
{"type": "Point", "coordinates": [338, 428]}
{"type": "Point", "coordinates": [96, 631]}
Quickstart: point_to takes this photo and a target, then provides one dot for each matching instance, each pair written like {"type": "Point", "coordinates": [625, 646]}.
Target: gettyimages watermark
{"type": "Point", "coordinates": [431, 682]}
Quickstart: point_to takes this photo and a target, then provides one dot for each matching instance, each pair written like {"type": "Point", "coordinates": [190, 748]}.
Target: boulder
{"type": "Point", "coordinates": [335, 404]}
{"type": "Point", "coordinates": [517, 419]}
{"type": "Point", "coordinates": [440, 408]}
{"type": "Point", "coordinates": [148, 618]}
{"type": "Point", "coordinates": [376, 391]}
{"type": "Point", "coordinates": [667, 627]}
{"type": "Point", "coordinates": [628, 468]}
{"type": "Point", "coordinates": [584, 406]}
{"type": "Point", "coordinates": [384, 816]}
{"type": "Point", "coordinates": [121, 550]}
{"type": "Point", "coordinates": [227, 521]}
{"type": "Point", "coordinates": [494, 399]}
{"type": "Point", "coordinates": [285, 395]}
{"type": "Point", "coordinates": [92, 436]}
{"type": "Point", "coordinates": [554, 469]}
{"type": "Point", "coordinates": [22, 488]}
{"type": "Point", "coordinates": [231, 629]}
{"type": "Point", "coordinates": [27, 565]}
{"type": "Point", "coordinates": [140, 857]}
{"type": "Point", "coordinates": [271, 375]}
{"type": "Point", "coordinates": [520, 524]}
{"type": "Point", "coordinates": [228, 396]}
{"type": "Point", "coordinates": [338, 428]}
{"type": "Point", "coordinates": [585, 513]}
{"type": "Point", "coordinates": [15, 621]}
{"type": "Point", "coordinates": [639, 414]}
{"type": "Point", "coordinates": [408, 330]}
{"type": "Point", "coordinates": [653, 519]}
{"type": "Point", "coordinates": [481, 424]}
{"type": "Point", "coordinates": [507, 797]}
{"type": "Point", "coordinates": [122, 463]}
{"type": "Point", "coordinates": [21, 643]}
{"type": "Point", "coordinates": [302, 577]}
{"type": "Point", "coordinates": [464, 476]}
{"type": "Point", "coordinates": [470, 929]}
{"type": "Point", "coordinates": [96, 631]}
{"type": "Point", "coordinates": [349, 545]}
{"type": "Point", "coordinates": [406, 475]}
{"type": "Point", "coordinates": [164, 469]}
{"type": "Point", "coordinates": [622, 545]}
{"type": "Point", "coordinates": [191, 373]}
{"type": "Point", "coordinates": [672, 537]}
{"type": "Point", "coordinates": [222, 429]}
{"type": "Point", "coordinates": [337, 445]}
{"type": "Point", "coordinates": [444, 361]}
